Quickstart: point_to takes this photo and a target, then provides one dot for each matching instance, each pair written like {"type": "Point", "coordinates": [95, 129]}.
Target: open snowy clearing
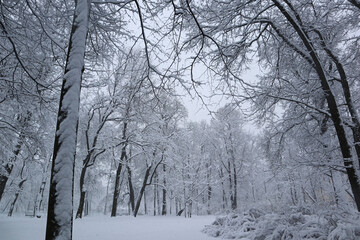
{"type": "Point", "coordinates": [106, 228]}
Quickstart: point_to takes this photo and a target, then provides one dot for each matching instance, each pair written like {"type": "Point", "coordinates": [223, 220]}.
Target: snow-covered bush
{"type": "Point", "coordinates": [300, 223]}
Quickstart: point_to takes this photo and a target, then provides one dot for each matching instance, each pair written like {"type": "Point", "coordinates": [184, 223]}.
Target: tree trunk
{"type": "Point", "coordinates": [188, 212]}
{"type": "Point", "coordinates": [331, 101]}
{"type": "Point", "coordinates": [154, 198]}
{"type": "Point", "coordinates": [4, 177]}
{"type": "Point", "coordinates": [184, 192]}
{"type": "Point", "coordinates": [176, 205]}
{"type": "Point", "coordinates": [164, 204]}
{"type": "Point", "coordinates": [86, 205]}
{"type": "Point", "coordinates": [118, 172]}
{"type": "Point", "coordinates": [131, 189]}
{"type": "Point", "coordinates": [116, 190]}
{"type": "Point", "coordinates": [142, 191]}
{"type": "Point", "coordinates": [355, 3]}
{"type": "Point", "coordinates": [145, 204]}
{"type": "Point", "coordinates": [209, 189]}
{"type": "Point", "coordinates": [180, 212]}
{"type": "Point", "coordinates": [60, 207]}
{"type": "Point", "coordinates": [82, 193]}
{"type": "Point", "coordinates": [224, 199]}
{"type": "Point", "coordinates": [347, 95]}
{"type": "Point", "coordinates": [234, 203]}
{"type": "Point", "coordinates": [231, 193]}
{"type": "Point", "coordinates": [232, 174]}
{"type": "Point", "coordinates": [158, 195]}
{"type": "Point", "coordinates": [40, 196]}
{"type": "Point", "coordinates": [171, 201]}
{"type": "Point", "coordinates": [12, 206]}
{"type": "Point", "coordinates": [108, 184]}
{"type": "Point", "coordinates": [3, 180]}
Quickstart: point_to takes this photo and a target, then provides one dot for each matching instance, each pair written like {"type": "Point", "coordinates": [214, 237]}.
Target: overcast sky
{"type": "Point", "coordinates": [198, 112]}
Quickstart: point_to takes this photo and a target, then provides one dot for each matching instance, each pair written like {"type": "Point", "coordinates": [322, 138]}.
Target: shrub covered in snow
{"type": "Point", "coordinates": [300, 223]}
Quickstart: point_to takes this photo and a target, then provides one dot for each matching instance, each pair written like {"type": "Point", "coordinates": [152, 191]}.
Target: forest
{"type": "Point", "coordinates": [96, 121]}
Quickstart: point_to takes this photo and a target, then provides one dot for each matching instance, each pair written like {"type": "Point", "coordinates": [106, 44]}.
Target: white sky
{"type": "Point", "coordinates": [198, 112]}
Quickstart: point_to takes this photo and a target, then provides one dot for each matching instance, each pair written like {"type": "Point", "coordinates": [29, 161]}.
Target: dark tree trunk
{"type": "Point", "coordinates": [171, 201]}
{"type": "Point", "coordinates": [131, 189]}
{"type": "Point", "coordinates": [232, 174]}
{"type": "Point", "coordinates": [145, 204]}
{"type": "Point", "coordinates": [164, 204]}
{"type": "Point", "coordinates": [89, 159]}
{"type": "Point", "coordinates": [116, 191]}
{"type": "Point", "coordinates": [180, 212]}
{"type": "Point", "coordinates": [176, 205]}
{"type": "Point", "coordinates": [154, 199]}
{"type": "Point", "coordinates": [12, 206]}
{"type": "Point", "coordinates": [208, 193]}
{"type": "Point", "coordinates": [60, 207]}
{"type": "Point", "coordinates": [155, 193]}
{"type": "Point", "coordinates": [356, 3]}
{"type": "Point", "coordinates": [209, 199]}
{"type": "Point", "coordinates": [355, 128]}
{"type": "Point", "coordinates": [10, 165]}
{"type": "Point", "coordinates": [3, 180]}
{"type": "Point", "coordinates": [142, 191]}
{"type": "Point", "coordinates": [39, 198]}
{"type": "Point", "coordinates": [336, 195]}
{"type": "Point", "coordinates": [158, 197]}
{"type": "Point", "coordinates": [331, 101]}
{"type": "Point", "coordinates": [231, 192]}
{"type": "Point", "coordinates": [234, 202]}
{"type": "Point", "coordinates": [118, 172]}
{"type": "Point", "coordinates": [82, 193]}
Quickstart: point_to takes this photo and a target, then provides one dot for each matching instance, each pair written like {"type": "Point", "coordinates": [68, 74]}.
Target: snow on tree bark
{"type": "Point", "coordinates": [60, 208]}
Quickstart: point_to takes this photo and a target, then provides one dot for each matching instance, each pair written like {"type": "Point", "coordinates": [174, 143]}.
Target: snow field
{"type": "Point", "coordinates": [106, 228]}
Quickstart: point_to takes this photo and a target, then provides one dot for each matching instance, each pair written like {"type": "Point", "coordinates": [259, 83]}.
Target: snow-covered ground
{"type": "Point", "coordinates": [297, 223]}
{"type": "Point", "coordinates": [106, 228]}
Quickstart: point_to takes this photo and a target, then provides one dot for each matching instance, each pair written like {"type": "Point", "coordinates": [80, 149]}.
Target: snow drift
{"type": "Point", "coordinates": [299, 223]}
